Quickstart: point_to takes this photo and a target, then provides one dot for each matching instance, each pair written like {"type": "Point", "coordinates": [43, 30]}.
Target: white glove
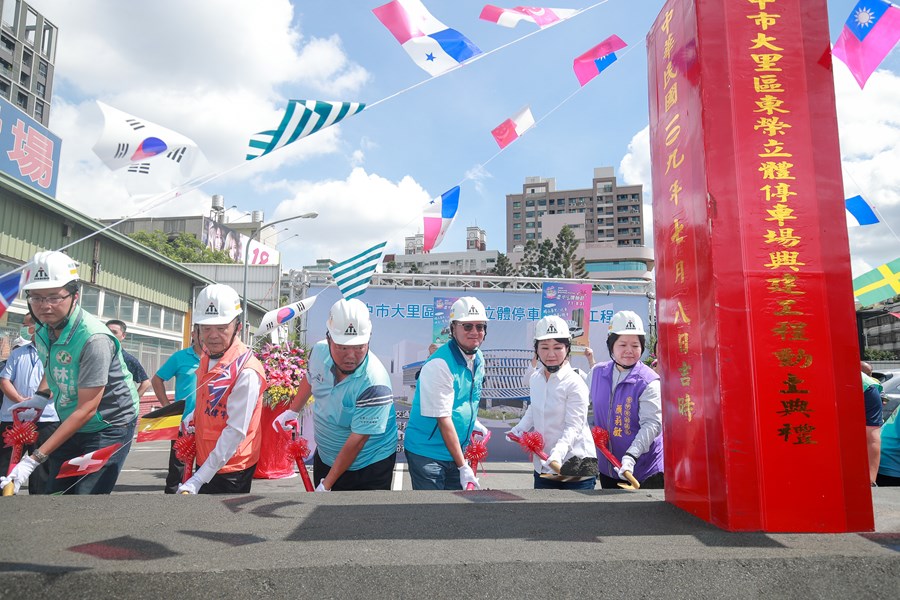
{"type": "Point", "coordinates": [20, 473]}
{"type": "Point", "coordinates": [279, 423]}
{"type": "Point", "coordinates": [191, 486]}
{"type": "Point", "coordinates": [481, 428]}
{"type": "Point", "coordinates": [627, 465]}
{"type": "Point", "coordinates": [514, 432]}
{"type": "Point", "coordinates": [467, 476]}
{"type": "Point", "coordinates": [187, 423]}
{"type": "Point", "coordinates": [321, 487]}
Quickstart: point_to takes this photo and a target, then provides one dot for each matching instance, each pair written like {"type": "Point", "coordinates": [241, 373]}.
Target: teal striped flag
{"type": "Point", "coordinates": [353, 275]}
{"type": "Point", "coordinates": [301, 118]}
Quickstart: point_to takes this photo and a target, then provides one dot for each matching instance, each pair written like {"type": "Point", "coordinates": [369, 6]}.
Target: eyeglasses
{"type": "Point", "coordinates": [479, 327]}
{"type": "Point", "coordinates": [49, 300]}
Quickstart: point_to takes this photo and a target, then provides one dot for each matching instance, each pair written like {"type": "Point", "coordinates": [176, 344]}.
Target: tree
{"type": "Point", "coordinates": [414, 269]}
{"type": "Point", "coordinates": [183, 247]}
{"type": "Point", "coordinates": [504, 266]}
{"type": "Point", "coordinates": [565, 258]}
{"type": "Point", "coordinates": [877, 355]}
{"type": "Point", "coordinates": [545, 262]}
{"type": "Point", "coordinates": [529, 265]}
{"type": "Point", "coordinates": [391, 267]}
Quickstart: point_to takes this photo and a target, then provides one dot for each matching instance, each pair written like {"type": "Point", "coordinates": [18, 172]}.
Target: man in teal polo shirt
{"type": "Point", "coordinates": [86, 376]}
{"type": "Point", "coordinates": [355, 420]}
{"type": "Point", "coordinates": [444, 412]}
{"type": "Point", "coordinates": [182, 365]}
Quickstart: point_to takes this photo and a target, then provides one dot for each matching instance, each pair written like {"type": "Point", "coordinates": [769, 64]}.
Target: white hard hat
{"type": "Point", "coordinates": [551, 328]}
{"type": "Point", "coordinates": [216, 304]}
{"type": "Point", "coordinates": [468, 309]}
{"type": "Point", "coordinates": [626, 322]}
{"type": "Point", "coordinates": [50, 269]}
{"type": "Point", "coordinates": [349, 323]}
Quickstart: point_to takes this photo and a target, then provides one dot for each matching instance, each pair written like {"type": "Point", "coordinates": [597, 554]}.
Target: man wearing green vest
{"type": "Point", "coordinates": [444, 412]}
{"type": "Point", "coordinates": [85, 375]}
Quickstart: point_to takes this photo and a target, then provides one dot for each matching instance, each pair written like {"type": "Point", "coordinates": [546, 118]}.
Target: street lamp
{"type": "Point", "coordinates": [259, 228]}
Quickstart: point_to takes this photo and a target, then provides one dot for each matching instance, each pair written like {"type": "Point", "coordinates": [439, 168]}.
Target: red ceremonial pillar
{"type": "Point", "coordinates": [762, 399]}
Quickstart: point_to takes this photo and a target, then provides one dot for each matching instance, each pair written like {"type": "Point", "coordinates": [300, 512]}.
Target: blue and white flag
{"type": "Point", "coordinates": [353, 275]}
{"type": "Point", "coordinates": [859, 212]}
{"type": "Point", "coordinates": [301, 118]}
{"type": "Point", "coordinates": [432, 45]}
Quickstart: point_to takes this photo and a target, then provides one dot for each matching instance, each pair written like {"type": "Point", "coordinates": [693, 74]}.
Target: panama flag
{"type": "Point", "coordinates": [859, 212]}
{"type": "Point", "coordinates": [439, 215]}
{"type": "Point", "coordinates": [353, 275]}
{"type": "Point", "coordinates": [510, 17]}
{"type": "Point", "coordinates": [512, 129]}
{"type": "Point", "coordinates": [871, 31]}
{"type": "Point", "coordinates": [9, 289]}
{"type": "Point", "coordinates": [301, 118]}
{"type": "Point", "coordinates": [280, 316]}
{"type": "Point", "coordinates": [87, 463]}
{"type": "Point", "coordinates": [432, 45]}
{"type": "Point", "coordinates": [127, 140]}
{"type": "Point", "coordinates": [594, 61]}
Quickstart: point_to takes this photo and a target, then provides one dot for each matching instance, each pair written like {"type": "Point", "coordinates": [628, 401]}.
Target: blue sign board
{"type": "Point", "coordinates": [28, 151]}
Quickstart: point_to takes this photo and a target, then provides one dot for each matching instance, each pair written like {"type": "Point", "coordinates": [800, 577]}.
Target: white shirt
{"type": "Point", "coordinates": [558, 410]}
{"type": "Point", "coordinates": [436, 393]}
{"type": "Point", "coordinates": [240, 406]}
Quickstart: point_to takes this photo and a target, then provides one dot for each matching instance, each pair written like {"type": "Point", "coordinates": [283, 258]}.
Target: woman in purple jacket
{"type": "Point", "coordinates": [626, 399]}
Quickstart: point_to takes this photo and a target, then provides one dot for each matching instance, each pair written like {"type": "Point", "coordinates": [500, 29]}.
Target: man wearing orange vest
{"type": "Point", "coordinates": [230, 384]}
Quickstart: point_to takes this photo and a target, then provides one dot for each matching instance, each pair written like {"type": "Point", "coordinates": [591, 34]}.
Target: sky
{"type": "Point", "coordinates": [219, 71]}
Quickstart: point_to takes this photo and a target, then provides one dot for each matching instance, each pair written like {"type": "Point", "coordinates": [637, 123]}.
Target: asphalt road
{"type": "Point", "coordinates": [509, 541]}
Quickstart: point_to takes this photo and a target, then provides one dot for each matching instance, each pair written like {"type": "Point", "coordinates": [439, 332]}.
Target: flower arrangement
{"type": "Point", "coordinates": [284, 365]}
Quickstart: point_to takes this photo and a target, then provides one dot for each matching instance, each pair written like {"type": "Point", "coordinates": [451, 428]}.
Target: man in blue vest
{"type": "Point", "coordinates": [444, 412]}
{"type": "Point", "coordinates": [84, 373]}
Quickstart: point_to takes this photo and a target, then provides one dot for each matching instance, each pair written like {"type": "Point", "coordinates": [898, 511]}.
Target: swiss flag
{"type": "Point", "coordinates": [87, 463]}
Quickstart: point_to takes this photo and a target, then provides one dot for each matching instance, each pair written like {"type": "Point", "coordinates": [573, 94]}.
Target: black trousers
{"type": "Point", "coordinates": [376, 476]}
{"type": "Point", "coordinates": [176, 472]}
{"type": "Point", "coordinates": [230, 483]}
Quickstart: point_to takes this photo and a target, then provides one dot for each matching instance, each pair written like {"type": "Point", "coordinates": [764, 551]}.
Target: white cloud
{"type": "Point", "coordinates": [213, 73]}
{"type": "Point", "coordinates": [635, 170]}
{"type": "Point", "coordinates": [354, 213]}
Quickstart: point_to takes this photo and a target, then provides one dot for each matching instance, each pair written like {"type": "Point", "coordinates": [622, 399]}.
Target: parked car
{"type": "Point", "coordinates": [890, 393]}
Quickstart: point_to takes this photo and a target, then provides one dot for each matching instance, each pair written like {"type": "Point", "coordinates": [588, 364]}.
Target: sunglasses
{"type": "Point", "coordinates": [479, 327]}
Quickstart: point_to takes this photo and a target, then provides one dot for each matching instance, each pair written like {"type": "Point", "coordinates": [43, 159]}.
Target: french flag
{"type": "Point", "coordinates": [432, 45]}
{"type": "Point", "coordinates": [510, 17]}
{"type": "Point", "coordinates": [512, 129]}
{"type": "Point", "coordinates": [438, 216]}
{"type": "Point", "coordinates": [9, 289]}
{"type": "Point", "coordinates": [594, 61]}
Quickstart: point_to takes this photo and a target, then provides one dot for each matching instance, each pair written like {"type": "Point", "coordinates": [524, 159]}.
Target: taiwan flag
{"type": "Point", "coordinates": [870, 33]}
{"type": "Point", "coordinates": [594, 61]}
{"type": "Point", "coordinates": [87, 463]}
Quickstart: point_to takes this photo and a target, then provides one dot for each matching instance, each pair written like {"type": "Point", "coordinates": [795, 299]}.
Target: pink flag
{"type": "Point", "coordinates": [87, 463]}
{"type": "Point", "coordinates": [511, 129]}
{"type": "Point", "coordinates": [871, 31]}
{"type": "Point", "coordinates": [591, 63]}
{"type": "Point", "coordinates": [510, 17]}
